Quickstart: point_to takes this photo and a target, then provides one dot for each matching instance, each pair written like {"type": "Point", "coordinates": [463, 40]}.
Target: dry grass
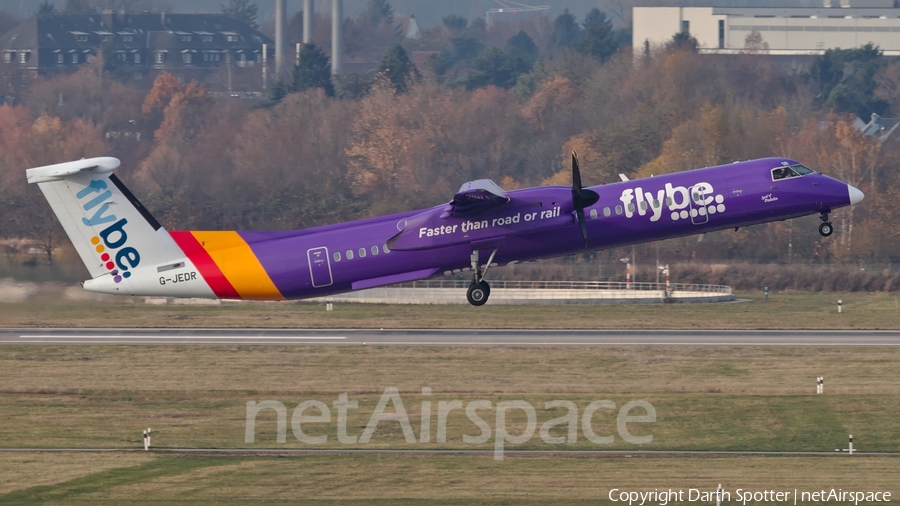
{"type": "Point", "coordinates": [312, 370]}
{"type": "Point", "coordinates": [790, 310]}
{"type": "Point", "coordinates": [753, 398]}
{"type": "Point", "coordinates": [368, 479]}
{"type": "Point", "coordinates": [25, 470]}
{"type": "Point", "coordinates": [195, 396]}
{"type": "Point", "coordinates": [532, 480]}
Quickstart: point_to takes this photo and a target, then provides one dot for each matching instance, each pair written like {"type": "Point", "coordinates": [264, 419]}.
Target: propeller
{"type": "Point", "coordinates": [581, 197]}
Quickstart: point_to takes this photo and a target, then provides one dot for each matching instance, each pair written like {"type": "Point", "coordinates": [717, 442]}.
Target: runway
{"type": "Point", "coordinates": [457, 337]}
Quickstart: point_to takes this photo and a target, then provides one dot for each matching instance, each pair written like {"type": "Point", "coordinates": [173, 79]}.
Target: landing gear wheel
{"type": "Point", "coordinates": [479, 290]}
{"type": "Point", "coordinates": [826, 229]}
{"type": "Point", "coordinates": [478, 293]}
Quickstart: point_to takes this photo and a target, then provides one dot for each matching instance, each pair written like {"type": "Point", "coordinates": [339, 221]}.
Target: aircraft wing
{"type": "Point", "coordinates": [479, 212]}
{"type": "Point", "coordinates": [474, 197]}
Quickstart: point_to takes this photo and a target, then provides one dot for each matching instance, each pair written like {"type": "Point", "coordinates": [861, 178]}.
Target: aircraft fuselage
{"type": "Point", "coordinates": [535, 223]}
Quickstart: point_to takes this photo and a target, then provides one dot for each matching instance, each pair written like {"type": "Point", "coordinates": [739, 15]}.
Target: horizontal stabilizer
{"type": "Point", "coordinates": [95, 166]}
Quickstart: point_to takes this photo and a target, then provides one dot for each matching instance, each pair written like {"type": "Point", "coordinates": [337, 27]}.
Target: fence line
{"type": "Point", "coordinates": [570, 285]}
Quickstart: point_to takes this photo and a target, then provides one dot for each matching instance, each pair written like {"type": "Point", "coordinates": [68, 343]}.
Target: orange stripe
{"type": "Point", "coordinates": [236, 260]}
{"type": "Point", "coordinates": [205, 264]}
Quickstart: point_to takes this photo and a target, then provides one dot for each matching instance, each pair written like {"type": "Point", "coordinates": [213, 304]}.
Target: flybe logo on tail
{"type": "Point", "coordinates": [109, 242]}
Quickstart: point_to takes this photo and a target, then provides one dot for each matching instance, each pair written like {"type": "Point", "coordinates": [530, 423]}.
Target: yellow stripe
{"type": "Point", "coordinates": [236, 260]}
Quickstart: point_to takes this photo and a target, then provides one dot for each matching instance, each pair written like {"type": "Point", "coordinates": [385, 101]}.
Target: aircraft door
{"type": "Point", "coordinates": [319, 267]}
{"type": "Point", "coordinates": [699, 216]}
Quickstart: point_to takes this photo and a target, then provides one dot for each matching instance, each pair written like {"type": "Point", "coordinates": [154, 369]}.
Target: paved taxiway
{"type": "Point", "coordinates": [460, 337]}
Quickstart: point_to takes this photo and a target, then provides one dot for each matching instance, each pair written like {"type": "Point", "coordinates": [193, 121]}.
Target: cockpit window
{"type": "Point", "coordinates": [790, 171]}
{"type": "Point", "coordinates": [783, 173]}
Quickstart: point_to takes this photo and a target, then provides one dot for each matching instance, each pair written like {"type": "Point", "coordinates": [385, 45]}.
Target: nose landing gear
{"type": "Point", "coordinates": [826, 229]}
{"type": "Point", "coordinates": [479, 290]}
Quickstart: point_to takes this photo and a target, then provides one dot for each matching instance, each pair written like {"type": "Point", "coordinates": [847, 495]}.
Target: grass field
{"type": "Point", "coordinates": [734, 399]}
{"type": "Point", "coordinates": [706, 398]}
{"type": "Point", "coordinates": [781, 311]}
{"type": "Point", "coordinates": [452, 480]}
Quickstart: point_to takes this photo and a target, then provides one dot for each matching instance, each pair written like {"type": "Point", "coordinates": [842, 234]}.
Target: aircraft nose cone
{"type": "Point", "coordinates": [856, 196]}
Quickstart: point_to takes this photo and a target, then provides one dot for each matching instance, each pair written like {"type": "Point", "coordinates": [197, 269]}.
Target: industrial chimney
{"type": "Point", "coordinates": [280, 8]}
{"type": "Point", "coordinates": [309, 13]}
{"type": "Point", "coordinates": [337, 16]}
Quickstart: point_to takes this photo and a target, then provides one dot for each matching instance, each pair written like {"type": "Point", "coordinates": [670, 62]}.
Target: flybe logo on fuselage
{"type": "Point", "coordinates": [109, 242]}
{"type": "Point", "coordinates": [679, 202]}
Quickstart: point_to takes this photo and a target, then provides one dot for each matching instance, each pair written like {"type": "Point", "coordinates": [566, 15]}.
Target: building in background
{"type": "Point", "coordinates": [776, 31]}
{"type": "Point", "coordinates": [215, 49]}
{"type": "Point", "coordinates": [883, 129]}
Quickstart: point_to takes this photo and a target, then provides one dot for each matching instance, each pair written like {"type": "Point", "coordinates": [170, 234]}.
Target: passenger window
{"type": "Point", "coordinates": [374, 250]}
{"type": "Point", "coordinates": [362, 252]}
{"type": "Point", "coordinates": [606, 212]}
{"type": "Point", "coordinates": [593, 214]}
{"type": "Point", "coordinates": [643, 206]}
{"type": "Point", "coordinates": [655, 203]}
{"type": "Point", "coordinates": [668, 201]}
{"type": "Point", "coordinates": [337, 256]}
{"type": "Point", "coordinates": [618, 210]}
{"type": "Point", "coordinates": [630, 208]}
{"type": "Point", "coordinates": [385, 248]}
{"type": "Point", "coordinates": [349, 254]}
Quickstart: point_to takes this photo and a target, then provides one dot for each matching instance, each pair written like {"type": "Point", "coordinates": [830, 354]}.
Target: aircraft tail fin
{"type": "Point", "coordinates": [111, 231]}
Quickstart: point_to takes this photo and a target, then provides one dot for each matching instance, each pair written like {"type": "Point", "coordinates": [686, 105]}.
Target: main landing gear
{"type": "Point", "coordinates": [825, 228]}
{"type": "Point", "coordinates": [478, 293]}
{"type": "Point", "coordinates": [479, 290]}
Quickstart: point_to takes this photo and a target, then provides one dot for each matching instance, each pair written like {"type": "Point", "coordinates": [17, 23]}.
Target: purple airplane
{"type": "Point", "coordinates": [127, 252]}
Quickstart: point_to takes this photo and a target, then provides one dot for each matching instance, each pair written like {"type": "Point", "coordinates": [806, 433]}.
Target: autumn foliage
{"type": "Point", "coordinates": [311, 159]}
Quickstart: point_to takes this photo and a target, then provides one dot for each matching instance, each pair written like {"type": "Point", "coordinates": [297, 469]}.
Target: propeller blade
{"type": "Point", "coordinates": [581, 198]}
{"type": "Point", "coordinates": [576, 172]}
{"type": "Point", "coordinates": [580, 215]}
